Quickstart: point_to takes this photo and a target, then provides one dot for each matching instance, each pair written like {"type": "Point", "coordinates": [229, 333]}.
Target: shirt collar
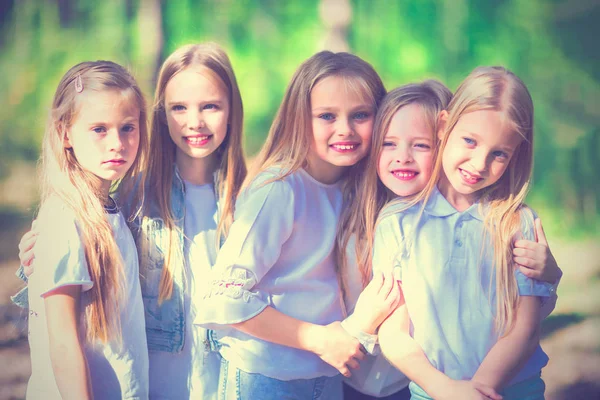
{"type": "Point", "coordinates": [438, 206]}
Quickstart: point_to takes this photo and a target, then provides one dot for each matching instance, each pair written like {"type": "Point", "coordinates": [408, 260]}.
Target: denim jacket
{"type": "Point", "coordinates": [165, 323]}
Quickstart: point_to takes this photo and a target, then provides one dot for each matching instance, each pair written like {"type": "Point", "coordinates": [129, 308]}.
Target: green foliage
{"type": "Point", "coordinates": [546, 43]}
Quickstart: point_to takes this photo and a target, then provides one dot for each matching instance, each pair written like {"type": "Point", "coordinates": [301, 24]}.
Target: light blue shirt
{"type": "Point", "coordinates": [279, 253]}
{"type": "Point", "coordinates": [446, 267]}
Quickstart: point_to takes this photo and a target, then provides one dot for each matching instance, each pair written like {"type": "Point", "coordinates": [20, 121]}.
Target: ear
{"type": "Point", "coordinates": [441, 126]}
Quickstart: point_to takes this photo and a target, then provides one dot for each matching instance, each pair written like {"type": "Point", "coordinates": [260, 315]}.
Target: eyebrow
{"type": "Point", "coordinates": [203, 102]}
{"type": "Point", "coordinates": [357, 108]}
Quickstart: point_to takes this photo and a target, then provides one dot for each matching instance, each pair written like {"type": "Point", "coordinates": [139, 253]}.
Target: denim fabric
{"type": "Point", "coordinates": [165, 323]}
{"type": "Point", "coordinates": [235, 384]}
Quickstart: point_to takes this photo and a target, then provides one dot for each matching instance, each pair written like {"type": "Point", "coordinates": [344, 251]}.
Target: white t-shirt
{"type": "Point", "coordinates": [193, 373]}
{"type": "Point", "coordinates": [60, 260]}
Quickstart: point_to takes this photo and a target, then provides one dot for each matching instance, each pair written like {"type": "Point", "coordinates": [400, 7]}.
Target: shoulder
{"type": "Point", "coordinates": [55, 215]}
{"type": "Point", "coordinates": [527, 218]}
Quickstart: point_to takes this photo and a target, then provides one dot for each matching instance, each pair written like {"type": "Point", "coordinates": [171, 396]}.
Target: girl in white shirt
{"type": "Point", "coordinates": [276, 295]}
{"type": "Point", "coordinates": [86, 325]}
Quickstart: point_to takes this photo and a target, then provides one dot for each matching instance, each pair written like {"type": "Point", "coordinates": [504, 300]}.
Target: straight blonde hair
{"type": "Point", "coordinates": [231, 169]}
{"type": "Point", "coordinates": [371, 194]}
{"type": "Point", "coordinates": [63, 176]}
{"type": "Point", "coordinates": [289, 139]}
{"type": "Point", "coordinates": [498, 89]}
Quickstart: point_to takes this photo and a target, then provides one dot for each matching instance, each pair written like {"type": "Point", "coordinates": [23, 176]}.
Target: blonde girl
{"type": "Point", "coordinates": [276, 294]}
{"type": "Point", "coordinates": [193, 175]}
{"type": "Point", "coordinates": [195, 171]}
{"type": "Point", "coordinates": [86, 329]}
{"type": "Point", "coordinates": [470, 324]}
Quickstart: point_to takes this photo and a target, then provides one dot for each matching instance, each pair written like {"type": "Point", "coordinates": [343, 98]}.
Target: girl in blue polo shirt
{"type": "Point", "coordinates": [469, 327]}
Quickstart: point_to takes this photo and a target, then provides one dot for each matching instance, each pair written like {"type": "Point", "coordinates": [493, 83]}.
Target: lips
{"type": "Point", "coordinates": [405, 174]}
{"type": "Point", "coordinates": [115, 162]}
{"type": "Point", "coordinates": [470, 178]}
{"type": "Point", "coordinates": [344, 147]}
{"type": "Point", "coordinates": [197, 141]}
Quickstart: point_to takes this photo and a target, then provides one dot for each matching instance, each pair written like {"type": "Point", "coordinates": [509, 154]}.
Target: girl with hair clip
{"type": "Point", "coordinates": [275, 285]}
{"type": "Point", "coordinates": [403, 148]}
{"type": "Point", "coordinates": [193, 175]}
{"type": "Point", "coordinates": [469, 325]}
{"type": "Point", "coordinates": [86, 329]}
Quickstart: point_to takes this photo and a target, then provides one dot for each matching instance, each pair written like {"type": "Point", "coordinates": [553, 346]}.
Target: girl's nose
{"type": "Point", "coordinates": [195, 121]}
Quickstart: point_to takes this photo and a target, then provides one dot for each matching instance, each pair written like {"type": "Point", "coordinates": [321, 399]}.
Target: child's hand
{"type": "Point", "coordinates": [376, 302]}
{"type": "Point", "coordinates": [469, 390]}
{"type": "Point", "coordinates": [339, 349]}
{"type": "Point", "coordinates": [534, 259]}
{"type": "Point", "coordinates": [26, 255]}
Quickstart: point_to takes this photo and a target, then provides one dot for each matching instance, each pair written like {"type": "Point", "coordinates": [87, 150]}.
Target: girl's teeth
{"type": "Point", "coordinates": [404, 174]}
{"type": "Point", "coordinates": [344, 146]}
{"type": "Point", "coordinates": [197, 140]}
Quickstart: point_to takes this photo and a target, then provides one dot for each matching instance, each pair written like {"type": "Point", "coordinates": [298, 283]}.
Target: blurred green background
{"type": "Point", "coordinates": [552, 45]}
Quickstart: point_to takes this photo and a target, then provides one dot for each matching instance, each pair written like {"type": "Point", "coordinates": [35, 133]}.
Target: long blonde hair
{"type": "Point", "coordinates": [288, 142]}
{"type": "Point", "coordinates": [371, 194]}
{"type": "Point", "coordinates": [231, 169]}
{"type": "Point", "coordinates": [62, 176]}
{"type": "Point", "coordinates": [498, 89]}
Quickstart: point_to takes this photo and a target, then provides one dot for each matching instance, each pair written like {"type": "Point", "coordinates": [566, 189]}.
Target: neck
{"type": "Point", "coordinates": [323, 172]}
{"type": "Point", "coordinates": [459, 201]}
{"type": "Point", "coordinates": [197, 171]}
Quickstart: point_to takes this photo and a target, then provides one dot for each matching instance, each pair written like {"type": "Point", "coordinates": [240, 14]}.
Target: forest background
{"type": "Point", "coordinates": [552, 45]}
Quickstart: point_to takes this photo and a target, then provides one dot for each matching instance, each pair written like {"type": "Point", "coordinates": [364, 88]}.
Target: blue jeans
{"type": "Point", "coordinates": [235, 384]}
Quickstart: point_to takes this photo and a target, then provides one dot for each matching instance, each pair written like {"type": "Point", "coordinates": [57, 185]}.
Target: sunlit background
{"type": "Point", "coordinates": [552, 45]}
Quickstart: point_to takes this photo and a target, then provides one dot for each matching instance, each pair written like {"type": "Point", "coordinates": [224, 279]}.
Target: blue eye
{"type": "Point", "coordinates": [128, 128]}
{"type": "Point", "coordinates": [327, 116]}
{"type": "Point", "coordinates": [388, 144]}
{"type": "Point", "coordinates": [178, 107]}
{"type": "Point", "coordinates": [500, 154]}
{"type": "Point", "coordinates": [99, 129]}
{"type": "Point", "coordinates": [361, 115]}
{"type": "Point", "coordinates": [423, 146]}
{"type": "Point", "coordinates": [210, 107]}
{"type": "Point", "coordinates": [469, 141]}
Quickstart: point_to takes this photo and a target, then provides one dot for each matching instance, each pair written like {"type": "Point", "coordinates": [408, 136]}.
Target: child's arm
{"type": "Point", "coordinates": [403, 352]}
{"type": "Point", "coordinates": [331, 342]}
{"type": "Point", "coordinates": [534, 258]}
{"type": "Point", "coordinates": [509, 354]}
{"type": "Point", "coordinates": [375, 303]}
{"type": "Point", "coordinates": [66, 353]}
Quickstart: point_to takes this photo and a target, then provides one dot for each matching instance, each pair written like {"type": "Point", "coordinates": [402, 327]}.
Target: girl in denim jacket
{"type": "Point", "coordinates": [192, 177]}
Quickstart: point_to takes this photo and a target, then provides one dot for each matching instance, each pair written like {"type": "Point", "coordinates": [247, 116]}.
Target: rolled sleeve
{"type": "Point", "coordinates": [263, 222]}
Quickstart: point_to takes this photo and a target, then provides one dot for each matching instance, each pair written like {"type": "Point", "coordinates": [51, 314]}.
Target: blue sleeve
{"type": "Point", "coordinates": [264, 220]}
{"type": "Point", "coordinates": [388, 246]}
{"type": "Point", "coordinates": [528, 286]}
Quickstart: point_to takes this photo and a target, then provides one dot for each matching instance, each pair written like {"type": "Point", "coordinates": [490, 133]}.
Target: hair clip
{"type": "Point", "coordinates": [78, 84]}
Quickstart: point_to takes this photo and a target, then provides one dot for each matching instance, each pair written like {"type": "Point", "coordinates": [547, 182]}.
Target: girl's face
{"type": "Point", "coordinates": [197, 110]}
{"type": "Point", "coordinates": [477, 153]}
{"type": "Point", "coordinates": [406, 159]}
{"type": "Point", "coordinates": [105, 134]}
{"type": "Point", "coordinates": [342, 125]}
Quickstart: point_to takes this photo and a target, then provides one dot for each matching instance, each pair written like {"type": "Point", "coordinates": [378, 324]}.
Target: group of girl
{"type": "Point", "coordinates": [365, 215]}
